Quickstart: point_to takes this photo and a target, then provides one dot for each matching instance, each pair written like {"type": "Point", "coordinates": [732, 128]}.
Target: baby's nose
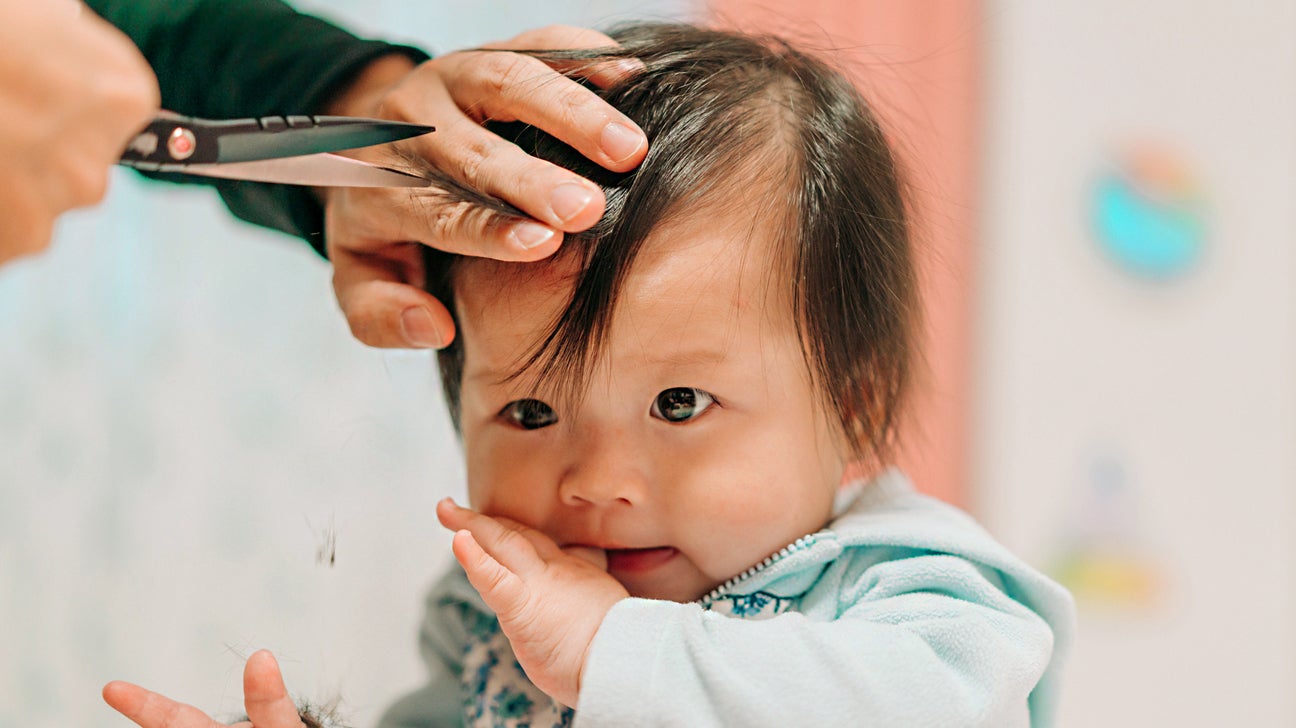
{"type": "Point", "coordinates": [605, 469]}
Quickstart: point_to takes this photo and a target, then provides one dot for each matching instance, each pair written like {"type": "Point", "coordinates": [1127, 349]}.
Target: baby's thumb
{"type": "Point", "coordinates": [597, 557]}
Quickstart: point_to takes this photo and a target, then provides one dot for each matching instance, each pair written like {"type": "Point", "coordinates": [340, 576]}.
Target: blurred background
{"type": "Point", "coordinates": [197, 460]}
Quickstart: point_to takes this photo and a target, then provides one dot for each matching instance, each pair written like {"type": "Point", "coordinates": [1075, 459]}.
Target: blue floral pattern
{"type": "Point", "coordinates": [497, 693]}
{"type": "Point", "coordinates": [757, 605]}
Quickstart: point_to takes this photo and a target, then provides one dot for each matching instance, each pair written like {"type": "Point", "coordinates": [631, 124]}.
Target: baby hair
{"type": "Point", "coordinates": [728, 115]}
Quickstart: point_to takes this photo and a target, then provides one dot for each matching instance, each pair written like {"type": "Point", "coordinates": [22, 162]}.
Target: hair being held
{"type": "Point", "coordinates": [729, 116]}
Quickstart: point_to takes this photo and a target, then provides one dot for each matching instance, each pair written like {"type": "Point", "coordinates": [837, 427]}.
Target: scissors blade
{"type": "Point", "coordinates": [315, 170]}
{"type": "Point", "coordinates": [293, 136]}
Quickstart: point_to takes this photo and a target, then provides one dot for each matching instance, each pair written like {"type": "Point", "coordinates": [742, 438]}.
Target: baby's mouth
{"type": "Point", "coordinates": [639, 560]}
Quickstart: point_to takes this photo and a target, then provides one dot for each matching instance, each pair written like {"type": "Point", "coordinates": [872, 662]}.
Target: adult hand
{"type": "Point", "coordinates": [374, 235]}
{"type": "Point", "coordinates": [550, 601]}
{"type": "Point", "coordinates": [73, 90]}
{"type": "Point", "coordinates": [264, 698]}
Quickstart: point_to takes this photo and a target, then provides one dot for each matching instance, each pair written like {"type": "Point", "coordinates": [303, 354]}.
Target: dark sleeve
{"type": "Point", "coordinates": [239, 58]}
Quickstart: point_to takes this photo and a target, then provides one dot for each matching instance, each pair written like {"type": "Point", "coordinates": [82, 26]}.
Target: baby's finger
{"type": "Point", "coordinates": [501, 589]}
{"type": "Point", "coordinates": [451, 515]}
{"type": "Point", "coordinates": [597, 557]}
{"type": "Point", "coordinates": [510, 544]}
{"type": "Point", "coordinates": [265, 697]}
{"type": "Point", "coordinates": [545, 547]}
{"type": "Point", "coordinates": [152, 710]}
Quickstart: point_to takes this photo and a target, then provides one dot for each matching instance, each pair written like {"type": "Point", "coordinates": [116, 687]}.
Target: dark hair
{"type": "Point", "coordinates": [715, 106]}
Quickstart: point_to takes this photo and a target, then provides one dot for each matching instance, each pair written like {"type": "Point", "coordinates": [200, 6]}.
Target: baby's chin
{"type": "Point", "coordinates": [676, 582]}
{"type": "Point", "coordinates": [683, 596]}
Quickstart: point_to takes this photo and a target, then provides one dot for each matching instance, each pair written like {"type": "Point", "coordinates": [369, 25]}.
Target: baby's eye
{"type": "Point", "coordinates": [681, 404]}
{"type": "Point", "coordinates": [529, 414]}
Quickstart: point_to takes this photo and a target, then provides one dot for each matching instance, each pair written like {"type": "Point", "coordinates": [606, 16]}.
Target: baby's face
{"type": "Point", "coordinates": [699, 447]}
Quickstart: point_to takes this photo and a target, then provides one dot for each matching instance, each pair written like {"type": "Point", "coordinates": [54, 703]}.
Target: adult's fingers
{"type": "Point", "coordinates": [73, 89]}
{"type": "Point", "coordinates": [512, 86]}
{"type": "Point", "coordinates": [567, 37]}
{"type": "Point", "coordinates": [25, 229]}
{"type": "Point", "coordinates": [482, 161]}
{"type": "Point", "coordinates": [382, 308]}
{"type": "Point", "coordinates": [265, 697]}
{"type": "Point", "coordinates": [571, 112]}
{"type": "Point", "coordinates": [364, 219]}
{"type": "Point", "coordinates": [152, 710]}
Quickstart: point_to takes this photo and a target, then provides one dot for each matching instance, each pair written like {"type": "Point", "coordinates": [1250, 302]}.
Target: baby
{"type": "Point", "coordinates": [657, 423]}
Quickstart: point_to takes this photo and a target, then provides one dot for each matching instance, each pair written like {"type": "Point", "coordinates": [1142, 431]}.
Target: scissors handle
{"type": "Point", "coordinates": [175, 139]}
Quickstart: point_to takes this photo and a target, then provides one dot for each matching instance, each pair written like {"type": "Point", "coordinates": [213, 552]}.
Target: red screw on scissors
{"type": "Point", "coordinates": [181, 144]}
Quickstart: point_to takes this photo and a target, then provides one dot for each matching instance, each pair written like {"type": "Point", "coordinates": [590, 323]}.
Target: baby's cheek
{"type": "Point", "coordinates": [503, 476]}
{"type": "Point", "coordinates": [734, 512]}
{"type": "Point", "coordinates": [746, 513]}
{"type": "Point", "coordinates": [498, 487]}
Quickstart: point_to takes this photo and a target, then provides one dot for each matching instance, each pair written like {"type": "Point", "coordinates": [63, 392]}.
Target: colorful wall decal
{"type": "Point", "coordinates": [1147, 213]}
{"type": "Point", "coordinates": [1104, 558]}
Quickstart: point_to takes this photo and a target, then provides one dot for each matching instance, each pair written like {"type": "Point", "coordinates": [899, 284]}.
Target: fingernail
{"type": "Point", "coordinates": [528, 235]}
{"type": "Point", "coordinates": [630, 66]}
{"type": "Point", "coordinates": [570, 199]}
{"type": "Point", "coordinates": [418, 328]}
{"type": "Point", "coordinates": [620, 142]}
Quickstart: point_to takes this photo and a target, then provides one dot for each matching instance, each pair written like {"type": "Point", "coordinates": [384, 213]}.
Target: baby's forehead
{"type": "Point", "coordinates": [700, 275]}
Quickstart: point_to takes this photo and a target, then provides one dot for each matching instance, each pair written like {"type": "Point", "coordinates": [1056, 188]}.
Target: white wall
{"type": "Point", "coordinates": [184, 417]}
{"type": "Point", "coordinates": [1176, 398]}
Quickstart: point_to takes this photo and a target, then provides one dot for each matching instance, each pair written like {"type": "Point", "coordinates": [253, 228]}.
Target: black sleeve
{"type": "Point", "coordinates": [240, 58]}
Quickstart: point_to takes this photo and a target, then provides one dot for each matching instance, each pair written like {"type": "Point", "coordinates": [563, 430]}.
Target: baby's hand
{"type": "Point", "coordinates": [264, 697]}
{"type": "Point", "coordinates": [550, 602]}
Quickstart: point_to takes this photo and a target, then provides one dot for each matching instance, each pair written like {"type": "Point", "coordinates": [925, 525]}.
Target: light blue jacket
{"type": "Point", "coordinates": [902, 612]}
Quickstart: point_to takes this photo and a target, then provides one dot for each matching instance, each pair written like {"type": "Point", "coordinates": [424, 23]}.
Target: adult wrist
{"type": "Point", "coordinates": [361, 97]}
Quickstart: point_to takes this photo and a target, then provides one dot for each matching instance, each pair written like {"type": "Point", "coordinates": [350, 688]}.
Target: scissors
{"type": "Point", "coordinates": [278, 149]}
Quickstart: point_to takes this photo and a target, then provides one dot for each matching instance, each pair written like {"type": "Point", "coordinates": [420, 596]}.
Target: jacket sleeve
{"type": "Point", "coordinates": [443, 637]}
{"type": "Point", "coordinates": [241, 58]}
{"type": "Point", "coordinates": [929, 640]}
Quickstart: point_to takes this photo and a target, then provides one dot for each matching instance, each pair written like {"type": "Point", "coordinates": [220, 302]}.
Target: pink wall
{"type": "Point", "coordinates": [918, 62]}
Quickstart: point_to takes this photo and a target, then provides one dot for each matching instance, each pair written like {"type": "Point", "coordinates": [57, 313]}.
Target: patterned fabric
{"type": "Point", "coordinates": [497, 693]}
{"type": "Point", "coordinates": [757, 605]}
